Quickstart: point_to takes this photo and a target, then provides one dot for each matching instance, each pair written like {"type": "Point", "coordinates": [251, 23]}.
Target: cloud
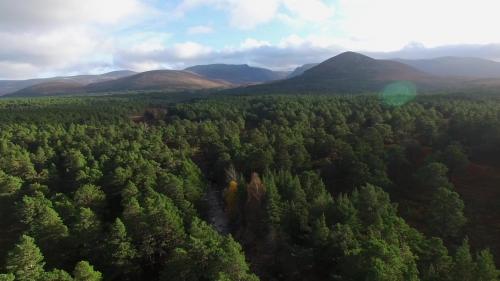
{"type": "Point", "coordinates": [384, 25]}
{"type": "Point", "coordinates": [419, 51]}
{"type": "Point", "coordinates": [190, 50]}
{"type": "Point", "coordinates": [47, 37]}
{"type": "Point", "coordinates": [289, 53]}
{"type": "Point", "coordinates": [311, 10]}
{"type": "Point", "coordinates": [200, 29]}
{"type": "Point", "coordinates": [44, 37]}
{"type": "Point", "coordinates": [248, 14]}
{"type": "Point", "coordinates": [28, 15]}
{"type": "Point", "coordinates": [251, 43]}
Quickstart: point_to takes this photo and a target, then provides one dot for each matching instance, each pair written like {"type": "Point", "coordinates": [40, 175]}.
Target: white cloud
{"type": "Point", "coordinates": [251, 43]}
{"type": "Point", "coordinates": [47, 51]}
{"type": "Point", "coordinates": [248, 14]}
{"type": "Point", "coordinates": [42, 37]}
{"type": "Point", "coordinates": [200, 29]}
{"type": "Point", "coordinates": [190, 50]}
{"type": "Point", "coordinates": [289, 53]}
{"type": "Point", "coordinates": [391, 24]}
{"type": "Point", "coordinates": [29, 15]}
{"type": "Point", "coordinates": [310, 10]}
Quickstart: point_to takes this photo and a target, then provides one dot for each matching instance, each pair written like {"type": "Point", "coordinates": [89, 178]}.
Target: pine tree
{"type": "Point", "coordinates": [463, 268]}
{"type": "Point", "coordinates": [9, 184]}
{"type": "Point", "coordinates": [85, 272]}
{"type": "Point", "coordinates": [56, 275]}
{"type": "Point", "coordinates": [446, 213]}
{"type": "Point", "coordinates": [486, 269]}
{"type": "Point", "coordinates": [119, 249]}
{"type": "Point", "coordinates": [86, 229]}
{"type": "Point", "coordinates": [90, 196]}
{"type": "Point", "coordinates": [320, 232]}
{"type": "Point", "coordinates": [7, 277]}
{"type": "Point", "coordinates": [43, 222]}
{"type": "Point", "coordinates": [25, 261]}
{"type": "Point", "coordinates": [273, 202]}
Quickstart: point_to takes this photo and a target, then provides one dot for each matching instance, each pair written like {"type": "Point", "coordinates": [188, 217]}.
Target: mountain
{"type": "Point", "coordinates": [301, 69]}
{"type": "Point", "coordinates": [237, 74]}
{"type": "Point", "coordinates": [457, 66]}
{"type": "Point", "coordinates": [51, 88]}
{"type": "Point", "coordinates": [171, 80]}
{"type": "Point", "coordinates": [351, 72]}
{"type": "Point", "coordinates": [168, 80]}
{"type": "Point", "coordinates": [11, 86]}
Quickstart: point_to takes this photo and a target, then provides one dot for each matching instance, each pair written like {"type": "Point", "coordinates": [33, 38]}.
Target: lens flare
{"type": "Point", "coordinates": [398, 93]}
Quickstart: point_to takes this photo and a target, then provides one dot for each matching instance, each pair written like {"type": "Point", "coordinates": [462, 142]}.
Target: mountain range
{"type": "Point", "coordinates": [165, 80]}
{"type": "Point", "coordinates": [238, 74]}
{"type": "Point", "coordinates": [457, 66]}
{"type": "Point", "coordinates": [348, 72]}
{"type": "Point", "coordinates": [11, 86]}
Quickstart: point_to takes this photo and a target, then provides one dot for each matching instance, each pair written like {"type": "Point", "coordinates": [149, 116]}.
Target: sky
{"type": "Point", "coordinates": [42, 38]}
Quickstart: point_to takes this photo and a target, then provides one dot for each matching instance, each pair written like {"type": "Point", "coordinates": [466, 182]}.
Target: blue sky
{"type": "Point", "coordinates": [62, 37]}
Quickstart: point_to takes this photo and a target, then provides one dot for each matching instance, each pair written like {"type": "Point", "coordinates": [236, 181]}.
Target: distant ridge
{"type": "Point", "coordinates": [346, 73]}
{"type": "Point", "coordinates": [237, 73]}
{"type": "Point", "coordinates": [51, 88]}
{"type": "Point", "coordinates": [11, 86]}
{"type": "Point", "coordinates": [349, 72]}
{"type": "Point", "coordinates": [457, 66]}
{"type": "Point", "coordinates": [172, 80]}
{"type": "Point", "coordinates": [301, 69]}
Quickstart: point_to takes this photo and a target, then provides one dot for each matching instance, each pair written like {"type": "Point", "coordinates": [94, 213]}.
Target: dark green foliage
{"type": "Point", "coordinates": [9, 184]}
{"type": "Point", "coordinates": [463, 270]}
{"type": "Point", "coordinates": [56, 275]}
{"type": "Point", "coordinates": [25, 261]}
{"type": "Point", "coordinates": [349, 187]}
{"type": "Point", "coordinates": [207, 256]}
{"type": "Point", "coordinates": [119, 251]}
{"type": "Point", "coordinates": [485, 267]}
{"type": "Point", "coordinates": [7, 277]}
{"type": "Point", "coordinates": [85, 272]}
{"type": "Point", "coordinates": [446, 213]}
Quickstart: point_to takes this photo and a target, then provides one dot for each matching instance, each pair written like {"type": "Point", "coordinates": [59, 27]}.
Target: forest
{"type": "Point", "coordinates": [311, 187]}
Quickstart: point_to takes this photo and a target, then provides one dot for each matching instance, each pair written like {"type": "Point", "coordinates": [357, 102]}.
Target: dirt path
{"type": "Point", "coordinates": [215, 210]}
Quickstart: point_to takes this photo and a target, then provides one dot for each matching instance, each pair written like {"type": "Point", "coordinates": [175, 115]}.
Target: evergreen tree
{"type": "Point", "coordinates": [85, 272]}
{"type": "Point", "coordinates": [320, 232]}
{"type": "Point", "coordinates": [25, 261]}
{"type": "Point", "coordinates": [446, 213]}
{"type": "Point", "coordinates": [120, 252]}
{"type": "Point", "coordinates": [56, 275]}
{"type": "Point", "coordinates": [7, 277]}
{"type": "Point", "coordinates": [273, 202]}
{"type": "Point", "coordinates": [86, 230]}
{"type": "Point", "coordinates": [486, 269]}
{"type": "Point", "coordinates": [43, 221]}
{"type": "Point", "coordinates": [463, 268]}
{"type": "Point", "coordinates": [90, 196]}
{"type": "Point", "coordinates": [9, 184]}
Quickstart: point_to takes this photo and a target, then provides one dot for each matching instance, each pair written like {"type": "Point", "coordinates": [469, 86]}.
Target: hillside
{"type": "Point", "coordinates": [351, 72]}
{"type": "Point", "coordinates": [50, 89]}
{"type": "Point", "coordinates": [457, 66]}
{"type": "Point", "coordinates": [11, 86]}
{"type": "Point", "coordinates": [158, 80]}
{"type": "Point", "coordinates": [301, 69]}
{"type": "Point", "coordinates": [237, 74]}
